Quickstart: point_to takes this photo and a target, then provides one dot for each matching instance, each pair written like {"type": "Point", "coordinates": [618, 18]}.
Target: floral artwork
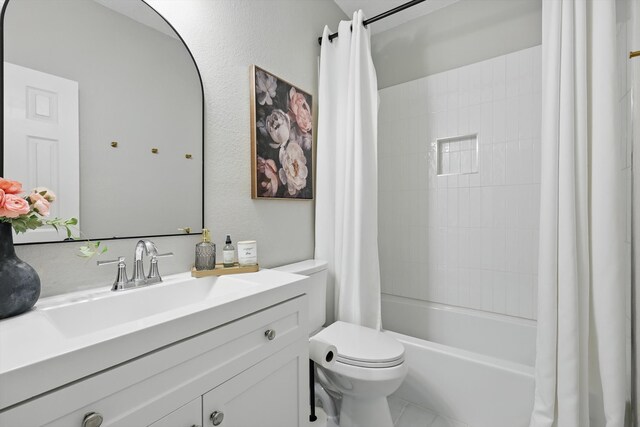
{"type": "Point", "coordinates": [282, 139]}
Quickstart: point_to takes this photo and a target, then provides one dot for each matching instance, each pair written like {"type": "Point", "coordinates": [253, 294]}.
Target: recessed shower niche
{"type": "Point", "coordinates": [457, 155]}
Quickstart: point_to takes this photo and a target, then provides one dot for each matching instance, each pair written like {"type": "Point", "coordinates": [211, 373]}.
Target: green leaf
{"type": "Point", "coordinates": [85, 252]}
{"type": "Point", "coordinates": [25, 222]}
{"type": "Point", "coordinates": [33, 221]}
{"type": "Point", "coordinates": [92, 249]}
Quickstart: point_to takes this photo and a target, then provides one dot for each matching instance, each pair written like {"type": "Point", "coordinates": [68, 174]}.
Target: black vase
{"type": "Point", "coordinates": [19, 282]}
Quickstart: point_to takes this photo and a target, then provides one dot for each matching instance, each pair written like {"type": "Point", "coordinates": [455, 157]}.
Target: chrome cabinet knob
{"type": "Point", "coordinates": [92, 419]}
{"type": "Point", "coordinates": [217, 417]}
{"type": "Point", "coordinates": [270, 334]}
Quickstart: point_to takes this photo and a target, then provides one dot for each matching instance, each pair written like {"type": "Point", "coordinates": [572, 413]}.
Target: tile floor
{"type": "Point", "coordinates": [405, 414]}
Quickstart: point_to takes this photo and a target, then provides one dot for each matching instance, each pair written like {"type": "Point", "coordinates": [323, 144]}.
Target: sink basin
{"type": "Point", "coordinates": [107, 309]}
{"type": "Point", "coordinates": [67, 337]}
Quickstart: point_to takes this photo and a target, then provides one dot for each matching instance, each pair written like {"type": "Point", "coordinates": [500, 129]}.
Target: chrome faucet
{"type": "Point", "coordinates": [122, 281]}
{"type": "Point", "coordinates": [143, 246]}
{"type": "Point", "coordinates": [138, 279]}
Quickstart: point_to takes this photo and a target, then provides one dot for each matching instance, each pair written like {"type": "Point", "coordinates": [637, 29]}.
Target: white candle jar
{"type": "Point", "coordinates": [247, 252]}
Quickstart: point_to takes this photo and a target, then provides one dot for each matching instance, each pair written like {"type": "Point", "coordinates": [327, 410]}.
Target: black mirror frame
{"type": "Point", "coordinates": [195, 64]}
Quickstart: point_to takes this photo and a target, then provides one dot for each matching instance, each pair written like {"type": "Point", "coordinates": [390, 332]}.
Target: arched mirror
{"type": "Point", "coordinates": [103, 103]}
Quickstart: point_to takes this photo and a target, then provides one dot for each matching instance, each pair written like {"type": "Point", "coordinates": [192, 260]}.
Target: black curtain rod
{"type": "Point", "coordinates": [379, 17]}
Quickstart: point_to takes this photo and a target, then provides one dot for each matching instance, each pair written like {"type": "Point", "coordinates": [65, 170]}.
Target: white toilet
{"type": "Point", "coordinates": [369, 365]}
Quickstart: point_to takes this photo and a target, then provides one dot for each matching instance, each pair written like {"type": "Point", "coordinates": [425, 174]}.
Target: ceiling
{"type": "Point", "coordinates": [372, 8]}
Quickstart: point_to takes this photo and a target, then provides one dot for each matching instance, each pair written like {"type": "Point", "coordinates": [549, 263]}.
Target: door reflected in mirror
{"type": "Point", "coordinates": [103, 103]}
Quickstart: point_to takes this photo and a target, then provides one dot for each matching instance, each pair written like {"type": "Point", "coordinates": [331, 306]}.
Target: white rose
{"type": "Point", "coordinates": [294, 168]}
{"type": "Point", "coordinates": [278, 126]}
{"type": "Point", "coordinates": [266, 86]}
{"type": "Point", "coordinates": [304, 140]}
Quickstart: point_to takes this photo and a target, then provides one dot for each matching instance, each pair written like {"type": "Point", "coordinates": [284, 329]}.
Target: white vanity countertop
{"type": "Point", "coordinates": [65, 338]}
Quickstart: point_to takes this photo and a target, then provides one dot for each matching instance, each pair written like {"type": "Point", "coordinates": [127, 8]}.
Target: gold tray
{"type": "Point", "coordinates": [221, 270]}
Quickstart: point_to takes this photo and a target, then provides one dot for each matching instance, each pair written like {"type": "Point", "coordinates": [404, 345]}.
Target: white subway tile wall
{"type": "Point", "coordinates": [465, 239]}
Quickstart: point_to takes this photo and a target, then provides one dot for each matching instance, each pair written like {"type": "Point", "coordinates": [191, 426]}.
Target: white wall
{"type": "Point", "coordinates": [464, 33]}
{"type": "Point", "coordinates": [634, 70]}
{"type": "Point", "coordinates": [466, 240]}
{"type": "Point", "coordinates": [625, 66]}
{"type": "Point", "coordinates": [226, 37]}
{"type": "Point", "coordinates": [137, 86]}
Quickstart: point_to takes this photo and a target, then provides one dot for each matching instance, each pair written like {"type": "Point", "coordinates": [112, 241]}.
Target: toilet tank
{"type": "Point", "coordinates": [316, 270]}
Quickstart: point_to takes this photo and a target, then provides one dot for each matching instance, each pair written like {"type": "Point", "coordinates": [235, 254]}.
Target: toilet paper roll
{"type": "Point", "coordinates": [323, 353]}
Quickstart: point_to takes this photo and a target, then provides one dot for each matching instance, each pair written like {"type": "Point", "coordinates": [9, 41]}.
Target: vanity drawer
{"type": "Point", "coordinates": [189, 415]}
{"type": "Point", "coordinates": [143, 390]}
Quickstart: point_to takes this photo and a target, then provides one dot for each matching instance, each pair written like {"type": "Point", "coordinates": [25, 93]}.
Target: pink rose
{"type": "Point", "coordinates": [40, 203]}
{"type": "Point", "coordinates": [299, 110]}
{"type": "Point", "coordinates": [1, 199]}
{"type": "Point", "coordinates": [10, 187]}
{"type": "Point", "coordinates": [14, 206]}
{"type": "Point", "coordinates": [46, 193]}
{"type": "Point", "coordinates": [268, 177]}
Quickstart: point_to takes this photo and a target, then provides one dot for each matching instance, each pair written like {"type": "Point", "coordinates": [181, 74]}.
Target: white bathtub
{"type": "Point", "coordinates": [468, 365]}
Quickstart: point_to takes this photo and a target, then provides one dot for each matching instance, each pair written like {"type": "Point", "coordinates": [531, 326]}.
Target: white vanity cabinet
{"type": "Point", "coordinates": [266, 395]}
{"type": "Point", "coordinates": [252, 370]}
{"type": "Point", "coordinates": [190, 415]}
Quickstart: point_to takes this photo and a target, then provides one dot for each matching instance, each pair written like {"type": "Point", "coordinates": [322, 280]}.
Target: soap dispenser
{"type": "Point", "coordinates": [205, 252]}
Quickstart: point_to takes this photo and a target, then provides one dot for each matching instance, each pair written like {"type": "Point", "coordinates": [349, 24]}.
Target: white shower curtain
{"type": "Point", "coordinates": [580, 359]}
{"type": "Point", "coordinates": [347, 179]}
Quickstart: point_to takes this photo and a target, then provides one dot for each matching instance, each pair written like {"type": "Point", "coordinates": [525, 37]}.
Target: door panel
{"type": "Point", "coordinates": [265, 395]}
{"type": "Point", "coordinates": [41, 137]}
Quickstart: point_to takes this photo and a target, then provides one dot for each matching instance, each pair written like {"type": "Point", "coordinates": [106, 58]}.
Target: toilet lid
{"type": "Point", "coordinates": [361, 346]}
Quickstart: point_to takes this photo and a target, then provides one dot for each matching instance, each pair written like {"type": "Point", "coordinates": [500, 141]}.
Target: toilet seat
{"type": "Point", "coordinates": [363, 347]}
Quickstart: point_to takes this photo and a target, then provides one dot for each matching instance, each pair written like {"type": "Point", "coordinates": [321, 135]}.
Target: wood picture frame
{"type": "Point", "coordinates": [281, 138]}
